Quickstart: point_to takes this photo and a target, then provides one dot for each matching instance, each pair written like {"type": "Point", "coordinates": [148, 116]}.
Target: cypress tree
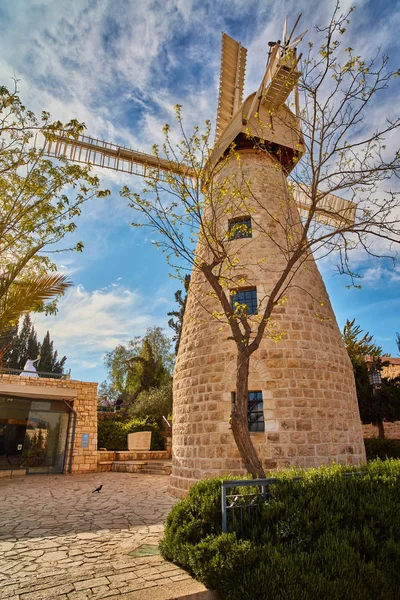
{"type": "Point", "coordinates": [24, 345]}
{"type": "Point", "coordinates": [176, 325]}
{"type": "Point", "coordinates": [49, 362]}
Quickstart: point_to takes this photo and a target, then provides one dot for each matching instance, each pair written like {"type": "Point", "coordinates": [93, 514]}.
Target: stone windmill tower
{"type": "Point", "coordinates": [302, 406]}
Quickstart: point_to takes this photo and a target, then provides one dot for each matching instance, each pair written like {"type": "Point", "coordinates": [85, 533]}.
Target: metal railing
{"type": "Point", "coordinates": [34, 374]}
{"type": "Point", "coordinates": [240, 506]}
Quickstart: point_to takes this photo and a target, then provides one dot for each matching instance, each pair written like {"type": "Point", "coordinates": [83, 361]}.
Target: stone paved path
{"type": "Point", "coordinates": [59, 541]}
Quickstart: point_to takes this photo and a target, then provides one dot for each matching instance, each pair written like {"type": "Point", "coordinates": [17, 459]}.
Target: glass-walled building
{"type": "Point", "coordinates": [34, 433]}
{"type": "Point", "coordinates": [47, 425]}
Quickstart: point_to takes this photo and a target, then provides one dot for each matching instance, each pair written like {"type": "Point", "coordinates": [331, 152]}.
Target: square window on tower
{"type": "Point", "coordinates": [245, 301]}
{"type": "Point", "coordinates": [240, 227]}
{"type": "Point", "coordinates": [255, 413]}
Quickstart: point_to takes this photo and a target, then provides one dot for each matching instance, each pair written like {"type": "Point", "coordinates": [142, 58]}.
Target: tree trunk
{"type": "Point", "coordinates": [381, 429]}
{"type": "Point", "coordinates": [132, 400]}
{"type": "Point", "coordinates": [239, 422]}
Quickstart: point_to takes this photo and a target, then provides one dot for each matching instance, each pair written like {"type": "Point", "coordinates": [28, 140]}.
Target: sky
{"type": "Point", "coordinates": [120, 66]}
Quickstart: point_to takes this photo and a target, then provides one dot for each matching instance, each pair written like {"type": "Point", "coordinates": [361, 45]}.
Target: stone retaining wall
{"type": "Point", "coordinates": [392, 431]}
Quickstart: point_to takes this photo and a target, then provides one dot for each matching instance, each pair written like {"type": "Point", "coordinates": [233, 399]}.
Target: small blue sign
{"type": "Point", "coordinates": [85, 440]}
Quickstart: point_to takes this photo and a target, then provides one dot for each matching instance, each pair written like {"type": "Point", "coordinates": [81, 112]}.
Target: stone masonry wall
{"type": "Point", "coordinates": [85, 405]}
{"type": "Point", "coordinates": [392, 431]}
{"type": "Point", "coordinates": [309, 400]}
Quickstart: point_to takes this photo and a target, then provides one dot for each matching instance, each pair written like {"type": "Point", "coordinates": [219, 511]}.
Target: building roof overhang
{"type": "Point", "coordinates": [37, 391]}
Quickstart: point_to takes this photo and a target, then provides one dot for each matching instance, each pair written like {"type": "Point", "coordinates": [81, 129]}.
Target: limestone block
{"type": "Point", "coordinates": [139, 441]}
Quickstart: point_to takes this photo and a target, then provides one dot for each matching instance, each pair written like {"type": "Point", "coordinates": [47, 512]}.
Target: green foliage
{"type": "Point", "coordinates": [176, 325]}
{"type": "Point", "coordinates": [154, 402]}
{"type": "Point", "coordinates": [23, 344]}
{"type": "Point", "coordinates": [35, 209]}
{"type": "Point", "coordinates": [325, 536]}
{"type": "Point", "coordinates": [382, 448]}
{"type": "Point", "coordinates": [359, 347]}
{"type": "Point", "coordinates": [113, 433]}
{"type": "Point", "coordinates": [384, 404]}
{"type": "Point", "coordinates": [49, 361]}
{"type": "Point", "coordinates": [376, 405]}
{"type": "Point", "coordinates": [140, 365]}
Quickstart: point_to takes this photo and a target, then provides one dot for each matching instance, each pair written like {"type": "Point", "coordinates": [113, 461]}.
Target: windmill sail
{"type": "Point", "coordinates": [88, 150]}
{"type": "Point", "coordinates": [332, 210]}
{"type": "Point", "coordinates": [233, 66]}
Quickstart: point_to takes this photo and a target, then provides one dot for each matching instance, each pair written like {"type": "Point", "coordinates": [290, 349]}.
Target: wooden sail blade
{"type": "Point", "coordinates": [296, 41]}
{"type": "Point", "coordinates": [331, 210]}
{"type": "Point", "coordinates": [282, 83]}
{"type": "Point", "coordinates": [281, 74]}
{"type": "Point", "coordinates": [284, 32]}
{"type": "Point", "coordinates": [233, 66]}
{"type": "Point", "coordinates": [88, 150]}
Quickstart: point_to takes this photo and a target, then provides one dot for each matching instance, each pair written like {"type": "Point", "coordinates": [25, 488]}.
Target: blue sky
{"type": "Point", "coordinates": [121, 66]}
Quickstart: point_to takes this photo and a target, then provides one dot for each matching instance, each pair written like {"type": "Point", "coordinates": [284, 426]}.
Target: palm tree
{"type": "Point", "coordinates": [19, 295]}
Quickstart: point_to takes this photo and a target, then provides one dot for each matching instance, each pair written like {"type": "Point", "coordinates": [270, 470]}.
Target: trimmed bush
{"type": "Point", "coordinates": [324, 537]}
{"type": "Point", "coordinates": [378, 448]}
{"type": "Point", "coordinates": [113, 433]}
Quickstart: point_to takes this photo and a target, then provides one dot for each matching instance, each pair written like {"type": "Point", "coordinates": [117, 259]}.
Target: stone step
{"type": "Point", "coordinates": [129, 462]}
{"type": "Point", "coordinates": [151, 467]}
{"type": "Point", "coordinates": [166, 471]}
{"type": "Point", "coordinates": [141, 455]}
{"type": "Point", "coordinates": [159, 463]}
{"type": "Point", "coordinates": [126, 467]}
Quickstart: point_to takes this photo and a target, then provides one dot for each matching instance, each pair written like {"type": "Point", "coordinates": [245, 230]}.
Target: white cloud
{"type": "Point", "coordinates": [117, 67]}
{"type": "Point", "coordinates": [90, 323]}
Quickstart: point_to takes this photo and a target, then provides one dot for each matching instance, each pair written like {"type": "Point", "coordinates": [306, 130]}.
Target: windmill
{"type": "Point", "coordinates": [300, 411]}
{"type": "Point", "coordinates": [233, 118]}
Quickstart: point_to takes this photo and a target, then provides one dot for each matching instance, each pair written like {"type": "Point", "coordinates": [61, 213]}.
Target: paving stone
{"type": "Point", "coordinates": [110, 595]}
{"type": "Point", "coordinates": [116, 580]}
{"type": "Point", "coordinates": [90, 583]}
{"type": "Point", "coordinates": [52, 557]}
{"type": "Point", "coordinates": [83, 552]}
{"type": "Point", "coordinates": [137, 585]}
{"type": "Point", "coordinates": [48, 593]}
{"type": "Point", "coordinates": [78, 596]}
{"type": "Point", "coordinates": [180, 577]}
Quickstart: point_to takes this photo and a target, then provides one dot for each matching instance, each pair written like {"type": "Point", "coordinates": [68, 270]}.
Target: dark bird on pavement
{"type": "Point", "coordinates": [97, 489]}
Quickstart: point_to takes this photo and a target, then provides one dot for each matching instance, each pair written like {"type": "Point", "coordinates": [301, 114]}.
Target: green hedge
{"type": "Point", "coordinates": [113, 433]}
{"type": "Point", "coordinates": [378, 448]}
{"type": "Point", "coordinates": [325, 537]}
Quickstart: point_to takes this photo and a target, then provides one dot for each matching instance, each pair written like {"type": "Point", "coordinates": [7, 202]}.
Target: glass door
{"type": "Point", "coordinates": [46, 436]}
{"type": "Point", "coordinates": [33, 434]}
{"type": "Point", "coordinates": [14, 414]}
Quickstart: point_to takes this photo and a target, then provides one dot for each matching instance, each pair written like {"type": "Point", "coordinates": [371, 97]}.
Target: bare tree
{"type": "Point", "coordinates": [344, 155]}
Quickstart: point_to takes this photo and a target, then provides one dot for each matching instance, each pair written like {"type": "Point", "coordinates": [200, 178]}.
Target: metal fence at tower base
{"type": "Point", "coordinates": [240, 508]}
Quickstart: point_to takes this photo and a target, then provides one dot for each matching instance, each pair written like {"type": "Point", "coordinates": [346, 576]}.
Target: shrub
{"type": "Point", "coordinates": [378, 448]}
{"type": "Point", "coordinates": [153, 403]}
{"type": "Point", "coordinates": [113, 433]}
{"type": "Point", "coordinates": [325, 536]}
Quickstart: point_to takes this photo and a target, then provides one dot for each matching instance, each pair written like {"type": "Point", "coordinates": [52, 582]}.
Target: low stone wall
{"type": "Point", "coordinates": [392, 431]}
{"type": "Point", "coordinates": [105, 458]}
